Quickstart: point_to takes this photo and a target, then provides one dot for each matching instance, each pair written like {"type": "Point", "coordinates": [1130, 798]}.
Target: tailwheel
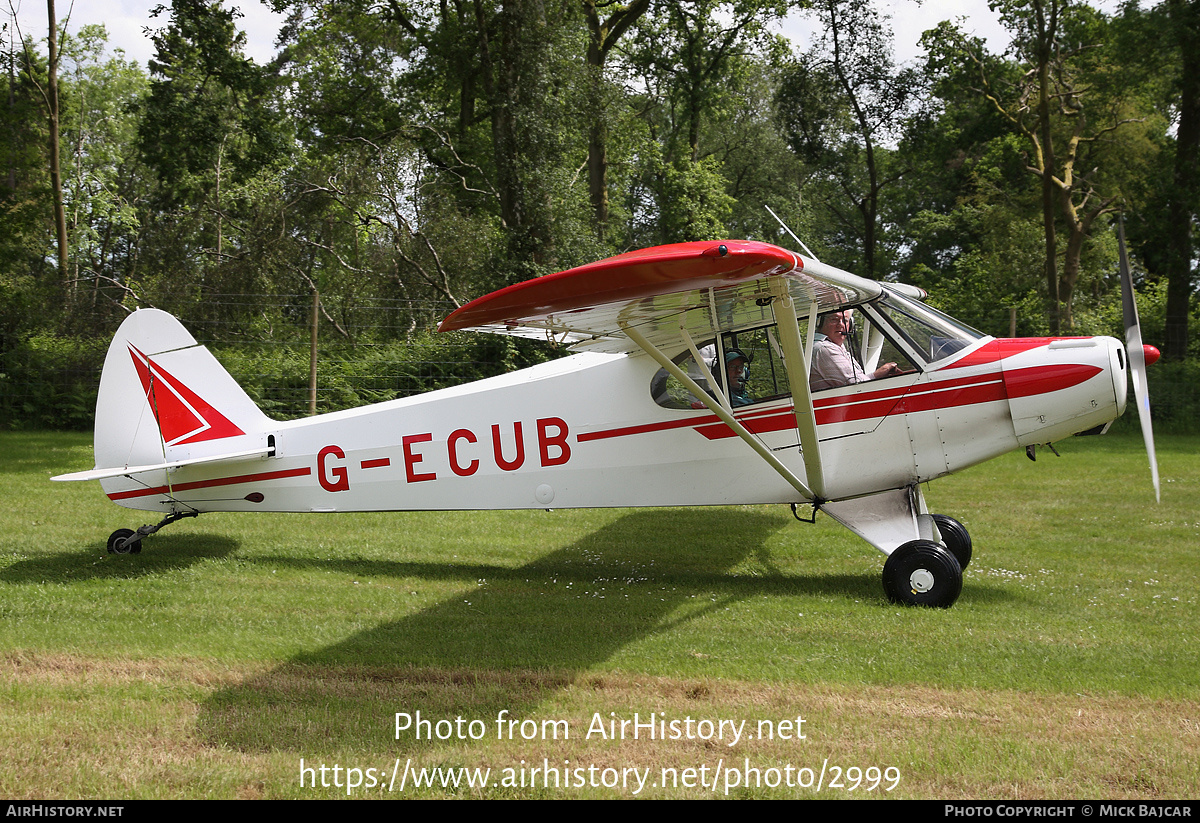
{"type": "Point", "coordinates": [922, 573]}
{"type": "Point", "coordinates": [128, 541]}
{"type": "Point", "coordinates": [955, 537]}
{"type": "Point", "coordinates": [119, 542]}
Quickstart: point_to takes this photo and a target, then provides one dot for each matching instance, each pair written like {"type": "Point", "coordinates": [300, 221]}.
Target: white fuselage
{"type": "Point", "coordinates": [585, 432]}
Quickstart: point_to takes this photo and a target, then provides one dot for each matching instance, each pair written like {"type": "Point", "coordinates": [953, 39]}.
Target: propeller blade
{"type": "Point", "coordinates": [1136, 351]}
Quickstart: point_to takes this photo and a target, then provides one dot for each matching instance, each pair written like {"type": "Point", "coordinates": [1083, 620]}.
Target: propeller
{"type": "Point", "coordinates": [1139, 356]}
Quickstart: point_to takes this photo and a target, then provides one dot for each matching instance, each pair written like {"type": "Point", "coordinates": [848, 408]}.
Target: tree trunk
{"type": "Point", "coordinates": [1044, 56]}
{"type": "Point", "coordinates": [597, 160]}
{"type": "Point", "coordinates": [1185, 193]}
{"type": "Point", "coordinates": [60, 216]}
{"type": "Point", "coordinates": [602, 36]}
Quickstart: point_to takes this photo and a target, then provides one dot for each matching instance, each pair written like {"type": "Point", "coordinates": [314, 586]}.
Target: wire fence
{"type": "Point", "coordinates": [368, 351]}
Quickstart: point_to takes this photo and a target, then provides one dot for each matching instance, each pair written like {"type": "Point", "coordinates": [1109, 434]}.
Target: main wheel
{"type": "Point", "coordinates": [956, 538]}
{"type": "Point", "coordinates": [114, 542]}
{"type": "Point", "coordinates": [922, 573]}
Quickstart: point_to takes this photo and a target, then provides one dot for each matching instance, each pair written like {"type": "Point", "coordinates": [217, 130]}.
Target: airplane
{"type": "Point", "coordinates": [644, 413]}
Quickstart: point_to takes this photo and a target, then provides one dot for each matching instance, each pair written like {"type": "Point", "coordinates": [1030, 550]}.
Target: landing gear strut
{"type": "Point", "coordinates": [128, 541]}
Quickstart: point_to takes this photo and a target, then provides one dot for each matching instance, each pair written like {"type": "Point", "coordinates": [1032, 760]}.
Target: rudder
{"type": "Point", "coordinates": [163, 396]}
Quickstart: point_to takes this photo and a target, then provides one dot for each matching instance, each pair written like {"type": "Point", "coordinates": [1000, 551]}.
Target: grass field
{"type": "Point", "coordinates": [236, 648]}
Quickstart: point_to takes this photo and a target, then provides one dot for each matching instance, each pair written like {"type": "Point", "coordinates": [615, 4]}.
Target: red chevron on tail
{"type": "Point", "coordinates": [183, 416]}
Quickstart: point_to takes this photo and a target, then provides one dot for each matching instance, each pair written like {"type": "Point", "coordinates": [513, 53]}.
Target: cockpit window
{"type": "Point", "coordinates": [892, 336]}
{"type": "Point", "coordinates": [765, 376]}
{"type": "Point", "coordinates": [748, 367]}
{"type": "Point", "coordinates": [933, 336]}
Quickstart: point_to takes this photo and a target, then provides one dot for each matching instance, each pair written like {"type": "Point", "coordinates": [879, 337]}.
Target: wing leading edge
{"type": "Point", "coordinates": [700, 288]}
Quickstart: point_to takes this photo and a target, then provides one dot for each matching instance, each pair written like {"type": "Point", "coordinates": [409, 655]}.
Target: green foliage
{"type": "Point", "coordinates": [1087, 138]}
{"type": "Point", "coordinates": [701, 205]}
{"type": "Point", "coordinates": [103, 179]}
{"type": "Point", "coordinates": [986, 280]}
{"type": "Point", "coordinates": [208, 113]}
{"type": "Point", "coordinates": [276, 376]}
{"type": "Point", "coordinates": [26, 232]}
{"type": "Point", "coordinates": [1174, 396]}
{"type": "Point", "coordinates": [417, 155]}
{"type": "Point", "coordinates": [841, 105]}
{"type": "Point", "coordinates": [50, 382]}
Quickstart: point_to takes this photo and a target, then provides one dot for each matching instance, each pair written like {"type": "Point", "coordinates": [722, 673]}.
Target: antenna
{"type": "Point", "coordinates": [807, 250]}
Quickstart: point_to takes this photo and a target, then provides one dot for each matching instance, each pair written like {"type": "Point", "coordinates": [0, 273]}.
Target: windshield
{"type": "Point", "coordinates": [931, 335]}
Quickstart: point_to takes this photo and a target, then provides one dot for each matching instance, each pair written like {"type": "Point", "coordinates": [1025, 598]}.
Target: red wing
{"type": "Point", "coordinates": [703, 287]}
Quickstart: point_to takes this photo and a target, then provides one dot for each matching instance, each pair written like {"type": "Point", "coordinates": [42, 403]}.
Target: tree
{"type": "Point", "coordinates": [1184, 18]}
{"type": "Point", "coordinates": [489, 90]}
{"type": "Point", "coordinates": [52, 107]}
{"type": "Point", "coordinates": [105, 185]}
{"type": "Point", "coordinates": [840, 104]}
{"type": "Point", "coordinates": [26, 234]}
{"type": "Point", "coordinates": [216, 141]}
{"type": "Point", "coordinates": [1048, 95]}
{"type": "Point", "coordinates": [48, 92]}
{"type": "Point", "coordinates": [693, 60]}
{"type": "Point", "coordinates": [758, 166]}
{"type": "Point", "coordinates": [603, 36]}
{"type": "Point", "coordinates": [207, 119]}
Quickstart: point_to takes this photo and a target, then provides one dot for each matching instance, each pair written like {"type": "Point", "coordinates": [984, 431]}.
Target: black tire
{"type": "Point", "coordinates": [922, 573]}
{"type": "Point", "coordinates": [114, 542]}
{"type": "Point", "coordinates": [956, 538]}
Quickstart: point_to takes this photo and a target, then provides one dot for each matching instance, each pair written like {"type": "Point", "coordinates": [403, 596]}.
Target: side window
{"type": "Point", "coordinates": [764, 375]}
{"type": "Point", "coordinates": [855, 350]}
{"type": "Point", "coordinates": [672, 394]}
{"type": "Point", "coordinates": [752, 371]}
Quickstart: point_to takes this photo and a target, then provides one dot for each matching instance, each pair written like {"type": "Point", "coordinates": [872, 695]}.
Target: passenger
{"type": "Point", "coordinates": [737, 371]}
{"type": "Point", "coordinates": [832, 365]}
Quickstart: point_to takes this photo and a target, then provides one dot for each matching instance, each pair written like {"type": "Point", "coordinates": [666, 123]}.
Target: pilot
{"type": "Point", "coordinates": [832, 364]}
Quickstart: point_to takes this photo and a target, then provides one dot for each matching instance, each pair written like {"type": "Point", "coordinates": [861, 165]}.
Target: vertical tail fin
{"type": "Point", "coordinates": [163, 396]}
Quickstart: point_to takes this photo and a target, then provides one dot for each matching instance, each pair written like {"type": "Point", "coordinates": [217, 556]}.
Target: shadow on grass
{"type": "Point", "coordinates": [512, 641]}
{"type": "Point", "coordinates": [95, 563]}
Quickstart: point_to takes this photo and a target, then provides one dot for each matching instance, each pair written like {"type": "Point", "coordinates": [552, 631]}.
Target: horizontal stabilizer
{"type": "Point", "coordinates": [101, 474]}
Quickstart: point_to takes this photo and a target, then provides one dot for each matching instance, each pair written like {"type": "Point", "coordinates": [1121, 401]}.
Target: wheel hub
{"type": "Point", "coordinates": [921, 580]}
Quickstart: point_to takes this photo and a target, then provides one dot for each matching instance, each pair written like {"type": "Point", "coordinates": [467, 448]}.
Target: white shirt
{"type": "Point", "coordinates": [832, 366]}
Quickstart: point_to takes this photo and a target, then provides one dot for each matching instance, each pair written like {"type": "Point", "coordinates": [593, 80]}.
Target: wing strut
{"type": "Point", "coordinates": [715, 386]}
{"type": "Point", "coordinates": [797, 371]}
{"type": "Point", "coordinates": [716, 408]}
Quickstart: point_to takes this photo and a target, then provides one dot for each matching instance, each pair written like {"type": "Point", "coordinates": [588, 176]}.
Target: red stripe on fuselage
{"type": "Point", "coordinates": [995, 350]}
{"type": "Point", "coordinates": [643, 429]}
{"type": "Point", "coordinates": [879, 404]}
{"type": "Point", "coordinates": [1046, 379]}
{"type": "Point", "coordinates": [205, 484]}
{"type": "Point", "coordinates": [949, 394]}
{"type": "Point", "coordinates": [944, 394]}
